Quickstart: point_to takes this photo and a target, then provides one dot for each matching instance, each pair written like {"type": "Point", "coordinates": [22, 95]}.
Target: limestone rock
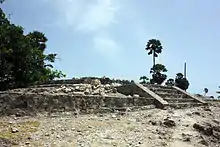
{"type": "Point", "coordinates": [115, 84]}
{"type": "Point", "coordinates": [87, 91]}
{"type": "Point", "coordinates": [14, 130]}
{"type": "Point", "coordinates": [136, 96]}
{"type": "Point", "coordinates": [78, 93]}
{"type": "Point", "coordinates": [96, 82]}
{"type": "Point", "coordinates": [169, 123]}
{"type": "Point", "coordinates": [207, 129]}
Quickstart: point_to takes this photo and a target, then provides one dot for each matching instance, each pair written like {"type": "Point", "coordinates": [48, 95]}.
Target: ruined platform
{"type": "Point", "coordinates": [95, 98]}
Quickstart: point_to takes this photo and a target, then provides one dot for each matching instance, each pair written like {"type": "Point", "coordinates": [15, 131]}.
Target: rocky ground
{"type": "Point", "coordinates": [192, 127]}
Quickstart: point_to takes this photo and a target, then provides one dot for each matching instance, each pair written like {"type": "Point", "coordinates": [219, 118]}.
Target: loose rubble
{"type": "Point", "coordinates": [93, 88]}
{"type": "Point", "coordinates": [151, 128]}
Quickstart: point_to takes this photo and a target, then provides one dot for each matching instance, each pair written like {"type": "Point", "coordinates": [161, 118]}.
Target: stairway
{"type": "Point", "coordinates": [175, 97]}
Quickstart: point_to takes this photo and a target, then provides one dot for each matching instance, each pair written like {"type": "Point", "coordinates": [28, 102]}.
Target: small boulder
{"type": "Point", "coordinates": [96, 82]}
{"type": "Point", "coordinates": [216, 121]}
{"type": "Point", "coordinates": [154, 123]}
{"type": "Point", "coordinates": [169, 123]}
{"type": "Point", "coordinates": [78, 93]}
{"type": "Point", "coordinates": [206, 129]}
{"type": "Point", "coordinates": [136, 96]}
{"type": "Point", "coordinates": [114, 90]}
{"type": "Point", "coordinates": [87, 92]}
{"type": "Point", "coordinates": [14, 130]}
{"type": "Point", "coordinates": [196, 113]}
{"type": "Point", "coordinates": [207, 109]}
{"type": "Point", "coordinates": [204, 142]}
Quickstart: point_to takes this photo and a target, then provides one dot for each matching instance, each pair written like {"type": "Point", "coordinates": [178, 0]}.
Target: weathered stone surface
{"type": "Point", "coordinates": [31, 103]}
{"type": "Point", "coordinates": [169, 123]}
{"type": "Point", "coordinates": [207, 129]}
{"type": "Point", "coordinates": [14, 130]}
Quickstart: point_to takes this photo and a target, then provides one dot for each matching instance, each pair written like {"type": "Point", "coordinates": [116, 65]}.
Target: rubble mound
{"type": "Point", "coordinates": [93, 88]}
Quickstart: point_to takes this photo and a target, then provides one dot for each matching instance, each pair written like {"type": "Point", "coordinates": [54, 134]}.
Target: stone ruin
{"type": "Point", "coordinates": [92, 97]}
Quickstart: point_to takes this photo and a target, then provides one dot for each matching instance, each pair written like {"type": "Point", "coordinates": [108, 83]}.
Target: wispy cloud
{"type": "Point", "coordinates": [106, 46]}
{"type": "Point", "coordinates": [86, 16]}
{"type": "Point", "coordinates": [98, 16]}
{"type": "Point", "coordinates": [94, 18]}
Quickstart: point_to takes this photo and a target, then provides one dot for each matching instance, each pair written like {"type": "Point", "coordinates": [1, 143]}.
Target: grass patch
{"type": "Point", "coordinates": [25, 129]}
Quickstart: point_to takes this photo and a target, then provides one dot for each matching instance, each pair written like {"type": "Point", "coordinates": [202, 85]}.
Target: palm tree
{"type": "Point", "coordinates": [143, 79]}
{"type": "Point", "coordinates": [154, 47]}
{"type": "Point", "coordinates": [205, 91]}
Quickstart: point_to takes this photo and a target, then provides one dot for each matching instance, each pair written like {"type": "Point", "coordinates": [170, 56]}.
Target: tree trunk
{"type": "Point", "coordinates": [153, 60]}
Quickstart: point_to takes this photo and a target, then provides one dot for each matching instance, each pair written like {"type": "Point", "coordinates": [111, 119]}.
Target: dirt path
{"type": "Point", "coordinates": [150, 128]}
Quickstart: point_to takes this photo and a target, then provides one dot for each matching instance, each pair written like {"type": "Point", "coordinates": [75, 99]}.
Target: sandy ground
{"type": "Point", "coordinates": [149, 128]}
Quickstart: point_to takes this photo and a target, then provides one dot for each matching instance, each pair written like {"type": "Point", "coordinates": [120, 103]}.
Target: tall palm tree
{"type": "Point", "coordinates": [205, 91]}
{"type": "Point", "coordinates": [154, 47]}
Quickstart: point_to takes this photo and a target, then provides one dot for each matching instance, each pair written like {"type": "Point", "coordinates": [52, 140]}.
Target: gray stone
{"type": "Point", "coordinates": [207, 129]}
{"type": "Point", "coordinates": [87, 92]}
{"type": "Point", "coordinates": [78, 93]}
{"type": "Point", "coordinates": [136, 96]}
{"type": "Point", "coordinates": [14, 130]}
{"type": "Point", "coordinates": [96, 82]}
{"type": "Point", "coordinates": [169, 123]}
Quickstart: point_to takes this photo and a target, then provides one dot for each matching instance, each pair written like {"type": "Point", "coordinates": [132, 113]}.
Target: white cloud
{"type": "Point", "coordinates": [85, 15]}
{"type": "Point", "coordinates": [99, 15]}
{"type": "Point", "coordinates": [106, 46]}
{"type": "Point", "coordinates": [93, 17]}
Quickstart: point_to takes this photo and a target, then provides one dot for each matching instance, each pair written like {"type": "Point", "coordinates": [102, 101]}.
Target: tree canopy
{"type": "Point", "coordinates": [22, 56]}
{"type": "Point", "coordinates": [170, 82]}
{"type": "Point", "coordinates": [181, 82]}
{"type": "Point", "coordinates": [154, 47]}
{"type": "Point", "coordinates": [206, 90]}
{"type": "Point", "coordinates": [143, 80]}
{"type": "Point", "coordinates": [157, 74]}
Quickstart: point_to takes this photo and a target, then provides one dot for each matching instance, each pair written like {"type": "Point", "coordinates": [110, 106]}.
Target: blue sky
{"type": "Point", "coordinates": [108, 37]}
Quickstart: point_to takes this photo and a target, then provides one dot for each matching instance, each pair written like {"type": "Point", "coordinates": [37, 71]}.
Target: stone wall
{"type": "Point", "coordinates": [31, 103]}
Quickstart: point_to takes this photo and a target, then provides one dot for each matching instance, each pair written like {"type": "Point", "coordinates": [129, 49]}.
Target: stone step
{"type": "Point", "coordinates": [164, 90]}
{"type": "Point", "coordinates": [179, 100]}
{"type": "Point", "coordinates": [170, 91]}
{"type": "Point", "coordinates": [157, 86]}
{"type": "Point", "coordinates": [125, 109]}
{"type": "Point", "coordinates": [184, 105]}
{"type": "Point", "coordinates": [171, 95]}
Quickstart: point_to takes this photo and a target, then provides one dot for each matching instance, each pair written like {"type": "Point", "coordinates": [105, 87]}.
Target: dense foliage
{"type": "Point", "coordinates": [158, 76]}
{"type": "Point", "coordinates": [181, 82]}
{"type": "Point", "coordinates": [22, 57]}
{"type": "Point", "coordinates": [144, 80]}
{"type": "Point", "coordinates": [170, 82]}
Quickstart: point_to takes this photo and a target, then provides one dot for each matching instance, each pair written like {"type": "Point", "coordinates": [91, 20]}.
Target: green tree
{"type": "Point", "coordinates": [158, 75]}
{"type": "Point", "coordinates": [206, 90]}
{"type": "Point", "coordinates": [181, 82]}
{"type": "Point", "coordinates": [154, 47]}
{"type": "Point", "coordinates": [170, 82]}
{"type": "Point", "coordinates": [143, 80]}
{"type": "Point", "coordinates": [22, 57]}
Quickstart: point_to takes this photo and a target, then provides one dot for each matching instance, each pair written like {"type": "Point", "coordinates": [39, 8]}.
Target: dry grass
{"type": "Point", "coordinates": [25, 129]}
